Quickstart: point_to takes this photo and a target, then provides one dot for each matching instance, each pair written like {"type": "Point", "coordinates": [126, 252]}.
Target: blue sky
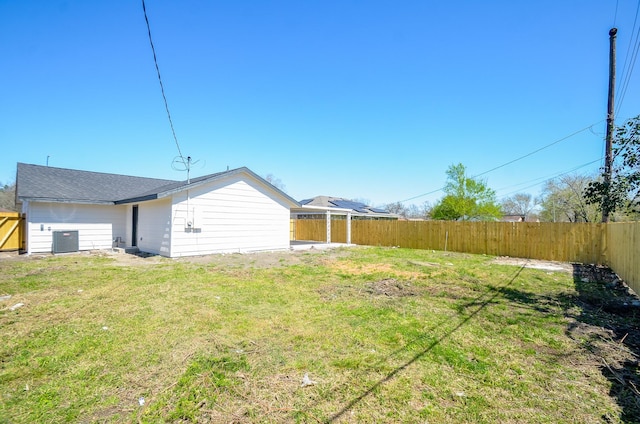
{"type": "Point", "coordinates": [358, 99]}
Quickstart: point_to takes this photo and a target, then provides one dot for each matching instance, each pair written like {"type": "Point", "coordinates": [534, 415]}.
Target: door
{"type": "Point", "coordinates": [134, 227]}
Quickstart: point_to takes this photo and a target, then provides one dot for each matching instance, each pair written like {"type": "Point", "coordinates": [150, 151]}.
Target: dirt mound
{"type": "Point", "coordinates": [390, 287]}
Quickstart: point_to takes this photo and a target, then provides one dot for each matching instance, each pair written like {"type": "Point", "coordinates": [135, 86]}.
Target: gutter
{"type": "Point", "coordinates": [58, 200]}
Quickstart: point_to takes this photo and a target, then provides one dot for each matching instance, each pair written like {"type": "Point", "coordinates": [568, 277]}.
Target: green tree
{"type": "Point", "coordinates": [623, 192]}
{"type": "Point", "coordinates": [466, 198]}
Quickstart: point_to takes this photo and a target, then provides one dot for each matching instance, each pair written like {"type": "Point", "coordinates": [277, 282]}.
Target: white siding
{"type": "Point", "coordinates": [97, 225]}
{"type": "Point", "coordinates": [154, 227]}
{"type": "Point", "coordinates": [237, 215]}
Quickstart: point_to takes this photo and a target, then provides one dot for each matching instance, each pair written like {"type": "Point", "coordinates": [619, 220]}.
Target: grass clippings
{"type": "Point", "coordinates": [385, 335]}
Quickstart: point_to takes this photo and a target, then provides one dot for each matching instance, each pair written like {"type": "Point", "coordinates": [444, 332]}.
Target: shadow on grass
{"type": "Point", "coordinates": [605, 319]}
{"type": "Point", "coordinates": [608, 325]}
{"type": "Point", "coordinates": [479, 303]}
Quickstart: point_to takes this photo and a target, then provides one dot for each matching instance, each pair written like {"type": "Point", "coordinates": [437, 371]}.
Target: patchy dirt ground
{"type": "Point", "coordinates": [275, 258]}
{"type": "Point", "coordinates": [391, 287]}
{"type": "Point", "coordinates": [535, 263]}
{"type": "Point", "coordinates": [266, 259]}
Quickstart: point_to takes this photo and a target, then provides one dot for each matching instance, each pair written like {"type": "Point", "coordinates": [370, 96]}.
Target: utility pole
{"type": "Point", "coordinates": [608, 157]}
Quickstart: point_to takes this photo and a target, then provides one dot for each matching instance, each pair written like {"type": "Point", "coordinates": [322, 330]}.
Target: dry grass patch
{"type": "Point", "coordinates": [353, 268]}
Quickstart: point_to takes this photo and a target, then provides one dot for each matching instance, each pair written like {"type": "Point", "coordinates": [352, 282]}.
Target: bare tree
{"type": "Point", "coordinates": [519, 204]}
{"type": "Point", "coordinates": [563, 200]}
{"type": "Point", "coordinates": [396, 208]}
{"type": "Point", "coordinates": [421, 211]}
{"type": "Point", "coordinates": [362, 200]}
{"type": "Point", "coordinates": [276, 182]}
{"type": "Point", "coordinates": [8, 196]}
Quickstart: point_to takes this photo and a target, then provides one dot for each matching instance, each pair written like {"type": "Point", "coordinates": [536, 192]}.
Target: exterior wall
{"type": "Point", "coordinates": [154, 226]}
{"type": "Point", "coordinates": [97, 225]}
{"type": "Point", "coordinates": [237, 215]}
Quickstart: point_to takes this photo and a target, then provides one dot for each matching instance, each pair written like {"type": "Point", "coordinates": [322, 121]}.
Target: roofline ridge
{"type": "Point", "coordinates": [95, 172]}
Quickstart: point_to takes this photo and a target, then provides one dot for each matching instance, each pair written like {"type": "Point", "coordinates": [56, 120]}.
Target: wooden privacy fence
{"type": "Point", "coordinates": [551, 241]}
{"type": "Point", "coordinates": [623, 251]}
{"type": "Point", "coordinates": [616, 245]}
{"type": "Point", "coordinates": [11, 231]}
{"type": "Point", "coordinates": [316, 229]}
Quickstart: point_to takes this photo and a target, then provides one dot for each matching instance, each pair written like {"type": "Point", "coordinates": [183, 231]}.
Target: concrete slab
{"type": "Point", "coordinates": [307, 245]}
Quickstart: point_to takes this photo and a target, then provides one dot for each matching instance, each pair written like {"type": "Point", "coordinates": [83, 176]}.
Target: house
{"type": "Point", "coordinates": [231, 211]}
{"type": "Point", "coordinates": [317, 207]}
{"type": "Point", "coordinates": [514, 218]}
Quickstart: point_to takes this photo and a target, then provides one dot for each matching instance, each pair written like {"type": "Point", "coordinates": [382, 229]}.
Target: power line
{"type": "Point", "coordinates": [536, 151]}
{"type": "Point", "coordinates": [511, 161]}
{"type": "Point", "coordinates": [155, 60]}
{"type": "Point", "coordinates": [548, 178]}
{"type": "Point", "coordinates": [630, 59]}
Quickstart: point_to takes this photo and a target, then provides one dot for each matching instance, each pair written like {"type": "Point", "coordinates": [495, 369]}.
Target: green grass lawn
{"type": "Point", "coordinates": [387, 335]}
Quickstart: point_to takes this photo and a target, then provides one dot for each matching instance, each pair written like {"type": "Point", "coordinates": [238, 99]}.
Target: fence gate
{"type": "Point", "coordinates": [11, 231]}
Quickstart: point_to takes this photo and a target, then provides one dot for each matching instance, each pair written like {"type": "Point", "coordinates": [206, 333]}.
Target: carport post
{"type": "Point", "coordinates": [348, 227]}
{"type": "Point", "coordinates": [328, 227]}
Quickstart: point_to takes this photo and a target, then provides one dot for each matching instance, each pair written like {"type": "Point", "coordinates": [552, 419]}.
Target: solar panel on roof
{"type": "Point", "coordinates": [378, 210]}
{"type": "Point", "coordinates": [305, 201]}
{"type": "Point", "coordinates": [348, 204]}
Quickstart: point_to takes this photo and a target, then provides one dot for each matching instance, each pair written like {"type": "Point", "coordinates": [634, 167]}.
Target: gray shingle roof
{"type": "Point", "coordinates": [44, 183]}
{"type": "Point", "coordinates": [339, 202]}
{"type": "Point", "coordinates": [36, 182]}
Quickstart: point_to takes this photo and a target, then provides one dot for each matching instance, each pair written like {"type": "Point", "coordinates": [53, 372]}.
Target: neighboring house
{"type": "Point", "coordinates": [319, 205]}
{"type": "Point", "coordinates": [330, 208]}
{"type": "Point", "coordinates": [513, 218]}
{"type": "Point", "coordinates": [231, 211]}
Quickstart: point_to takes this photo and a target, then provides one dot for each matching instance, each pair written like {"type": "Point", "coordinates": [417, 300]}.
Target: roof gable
{"type": "Point", "coordinates": [178, 186]}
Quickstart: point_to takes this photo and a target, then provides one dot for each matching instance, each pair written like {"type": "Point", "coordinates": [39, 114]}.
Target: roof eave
{"type": "Point", "coordinates": [136, 199]}
{"type": "Point", "coordinates": [326, 208]}
{"type": "Point", "coordinates": [59, 200]}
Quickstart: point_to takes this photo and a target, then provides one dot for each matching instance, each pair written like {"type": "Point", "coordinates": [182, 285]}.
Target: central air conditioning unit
{"type": "Point", "coordinates": [65, 241]}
